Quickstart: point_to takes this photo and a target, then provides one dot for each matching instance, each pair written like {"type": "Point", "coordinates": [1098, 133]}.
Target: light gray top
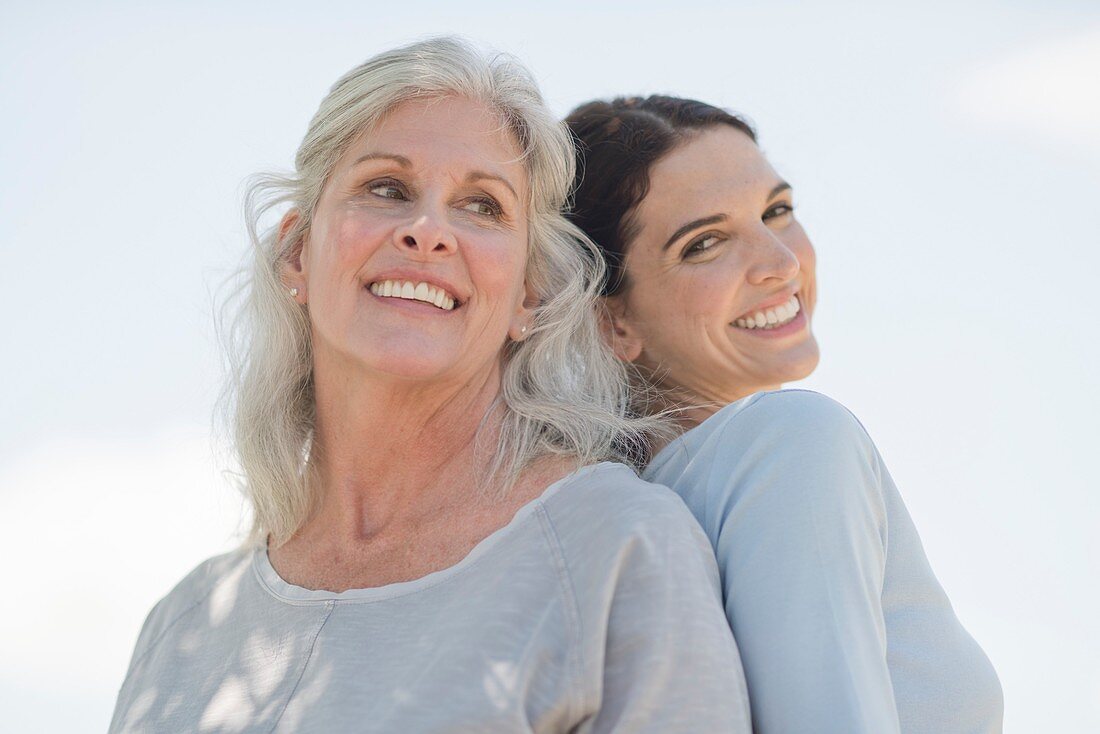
{"type": "Point", "coordinates": [841, 624]}
{"type": "Point", "coordinates": [596, 609]}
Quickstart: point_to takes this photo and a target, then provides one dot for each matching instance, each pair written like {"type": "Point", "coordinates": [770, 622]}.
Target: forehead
{"type": "Point", "coordinates": [447, 130]}
{"type": "Point", "coordinates": [714, 170]}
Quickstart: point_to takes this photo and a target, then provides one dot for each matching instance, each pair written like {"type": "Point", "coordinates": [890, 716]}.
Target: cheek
{"type": "Point", "coordinates": [354, 236]}
{"type": "Point", "coordinates": [497, 265]}
{"type": "Point", "coordinates": [685, 303]}
{"type": "Point", "coordinates": [340, 242]}
{"type": "Point", "coordinates": [803, 250]}
{"type": "Point", "coordinates": [711, 294]}
{"type": "Point", "coordinates": [807, 261]}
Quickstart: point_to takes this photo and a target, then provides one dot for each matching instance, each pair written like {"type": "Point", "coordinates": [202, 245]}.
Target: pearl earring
{"type": "Point", "coordinates": [293, 292]}
{"type": "Point", "coordinates": [523, 330]}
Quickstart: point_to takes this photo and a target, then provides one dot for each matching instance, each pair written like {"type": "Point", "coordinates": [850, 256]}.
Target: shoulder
{"type": "Point", "coordinates": [205, 581]}
{"type": "Point", "coordinates": [772, 456]}
{"type": "Point", "coordinates": [205, 578]}
{"type": "Point", "coordinates": [611, 502]}
{"type": "Point", "coordinates": [608, 527]}
{"type": "Point", "coordinates": [782, 428]}
{"type": "Point", "coordinates": [799, 412]}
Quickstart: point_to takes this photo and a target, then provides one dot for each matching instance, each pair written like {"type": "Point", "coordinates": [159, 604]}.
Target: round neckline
{"type": "Point", "coordinates": [285, 591]}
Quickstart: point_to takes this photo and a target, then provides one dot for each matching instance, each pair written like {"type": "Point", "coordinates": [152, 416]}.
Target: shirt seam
{"type": "Point", "coordinates": [156, 641]}
{"type": "Point", "coordinates": [875, 503]}
{"type": "Point", "coordinates": [578, 701]}
{"type": "Point", "coordinates": [874, 460]}
{"type": "Point", "coordinates": [331, 604]}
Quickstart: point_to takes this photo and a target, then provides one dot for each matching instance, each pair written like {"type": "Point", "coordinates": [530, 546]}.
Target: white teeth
{"type": "Point", "coordinates": [414, 292]}
{"type": "Point", "coordinates": [772, 317]}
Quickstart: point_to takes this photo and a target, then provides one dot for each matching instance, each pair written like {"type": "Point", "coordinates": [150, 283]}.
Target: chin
{"type": "Point", "coordinates": [801, 364]}
{"type": "Point", "coordinates": [409, 363]}
{"type": "Point", "coordinates": [791, 366]}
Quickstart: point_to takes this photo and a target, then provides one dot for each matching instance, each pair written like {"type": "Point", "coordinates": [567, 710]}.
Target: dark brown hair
{"type": "Point", "coordinates": [618, 143]}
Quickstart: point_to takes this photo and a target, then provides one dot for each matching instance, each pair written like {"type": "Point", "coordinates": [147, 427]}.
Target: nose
{"type": "Point", "coordinates": [425, 234]}
{"type": "Point", "coordinates": [772, 259]}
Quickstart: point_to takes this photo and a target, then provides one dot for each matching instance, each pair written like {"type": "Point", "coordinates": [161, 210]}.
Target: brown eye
{"type": "Point", "coordinates": [701, 245]}
{"type": "Point", "coordinates": [388, 190]}
{"type": "Point", "coordinates": [484, 207]}
{"type": "Point", "coordinates": [777, 211]}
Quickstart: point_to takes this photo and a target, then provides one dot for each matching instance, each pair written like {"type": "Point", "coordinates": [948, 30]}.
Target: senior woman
{"type": "Point", "coordinates": [841, 623]}
{"type": "Point", "coordinates": [419, 414]}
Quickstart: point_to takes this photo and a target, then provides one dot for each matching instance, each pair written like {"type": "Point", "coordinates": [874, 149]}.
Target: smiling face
{"type": "Point", "coordinates": [719, 277]}
{"type": "Point", "coordinates": [413, 266]}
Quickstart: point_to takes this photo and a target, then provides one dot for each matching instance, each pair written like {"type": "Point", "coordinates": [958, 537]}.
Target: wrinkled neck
{"type": "Point", "coordinates": [385, 450]}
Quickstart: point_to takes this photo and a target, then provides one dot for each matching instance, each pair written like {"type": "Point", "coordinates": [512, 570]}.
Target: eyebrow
{"type": "Point", "coordinates": [406, 163]}
{"type": "Point", "coordinates": [716, 218]}
{"type": "Point", "coordinates": [484, 176]}
{"type": "Point", "coordinates": [398, 159]}
{"type": "Point", "coordinates": [712, 219]}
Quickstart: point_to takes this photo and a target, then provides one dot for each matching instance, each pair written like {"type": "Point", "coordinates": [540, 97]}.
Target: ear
{"type": "Point", "coordinates": [292, 269]}
{"type": "Point", "coordinates": [617, 328]}
{"type": "Point", "coordinates": [524, 315]}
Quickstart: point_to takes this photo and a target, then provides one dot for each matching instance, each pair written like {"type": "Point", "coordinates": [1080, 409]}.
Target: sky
{"type": "Point", "coordinates": [946, 164]}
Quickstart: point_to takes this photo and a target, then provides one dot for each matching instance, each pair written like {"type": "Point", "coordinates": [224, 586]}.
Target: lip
{"type": "Point", "coordinates": [778, 300]}
{"type": "Point", "coordinates": [794, 326]}
{"type": "Point", "coordinates": [409, 306]}
{"type": "Point", "coordinates": [412, 275]}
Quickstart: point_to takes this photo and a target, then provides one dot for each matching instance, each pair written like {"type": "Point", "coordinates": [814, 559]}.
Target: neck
{"type": "Point", "coordinates": [389, 451]}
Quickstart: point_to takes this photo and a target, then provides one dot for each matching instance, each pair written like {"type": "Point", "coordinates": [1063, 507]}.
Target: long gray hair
{"type": "Point", "coordinates": [563, 391]}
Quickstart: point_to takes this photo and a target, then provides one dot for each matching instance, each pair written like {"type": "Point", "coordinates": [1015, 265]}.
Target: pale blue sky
{"type": "Point", "coordinates": [946, 164]}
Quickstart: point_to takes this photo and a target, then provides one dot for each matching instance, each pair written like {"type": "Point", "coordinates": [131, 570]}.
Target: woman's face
{"type": "Point", "coordinates": [720, 276]}
{"type": "Point", "coordinates": [414, 263]}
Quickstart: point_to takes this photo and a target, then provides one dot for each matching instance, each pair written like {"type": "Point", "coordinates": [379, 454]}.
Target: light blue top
{"type": "Point", "coordinates": [595, 610]}
{"type": "Point", "coordinates": [841, 624]}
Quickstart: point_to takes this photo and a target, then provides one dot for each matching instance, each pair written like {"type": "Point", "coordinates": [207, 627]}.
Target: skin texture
{"type": "Point", "coordinates": [435, 193]}
{"type": "Point", "coordinates": [675, 318]}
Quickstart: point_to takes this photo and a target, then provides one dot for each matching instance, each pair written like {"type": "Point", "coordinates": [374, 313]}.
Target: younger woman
{"type": "Point", "coordinates": [841, 623]}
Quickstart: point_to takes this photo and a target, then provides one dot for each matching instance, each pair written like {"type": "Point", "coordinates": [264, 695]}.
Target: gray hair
{"type": "Point", "coordinates": [563, 393]}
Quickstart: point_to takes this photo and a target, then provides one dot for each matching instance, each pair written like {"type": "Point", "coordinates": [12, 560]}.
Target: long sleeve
{"type": "Point", "coordinates": [794, 501]}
